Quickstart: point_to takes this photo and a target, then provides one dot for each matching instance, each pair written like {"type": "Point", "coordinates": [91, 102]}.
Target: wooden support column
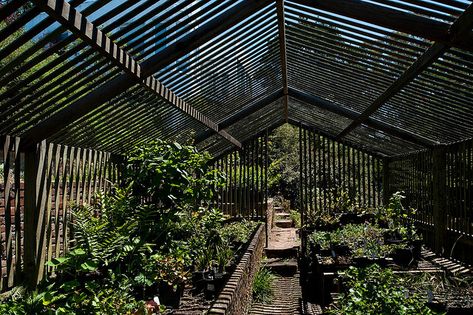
{"type": "Point", "coordinates": [34, 180]}
{"type": "Point", "coordinates": [439, 172]}
{"type": "Point", "coordinates": [386, 179]}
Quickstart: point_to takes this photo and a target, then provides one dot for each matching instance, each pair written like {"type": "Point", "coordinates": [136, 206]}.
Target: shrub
{"type": "Point", "coordinates": [296, 218]}
{"type": "Point", "coordinates": [262, 286]}
{"type": "Point", "coordinates": [374, 290]}
{"type": "Point", "coordinates": [146, 232]}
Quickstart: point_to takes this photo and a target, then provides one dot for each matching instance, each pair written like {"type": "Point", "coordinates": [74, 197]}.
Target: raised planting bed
{"type": "Point", "coordinates": [235, 297]}
{"type": "Point", "coordinates": [209, 277]}
{"type": "Point", "coordinates": [374, 290]}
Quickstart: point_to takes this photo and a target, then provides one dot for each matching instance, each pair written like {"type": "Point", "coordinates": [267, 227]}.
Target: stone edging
{"type": "Point", "coordinates": [236, 296]}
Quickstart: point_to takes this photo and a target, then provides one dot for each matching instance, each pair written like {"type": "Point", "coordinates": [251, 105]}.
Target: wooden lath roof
{"type": "Point", "coordinates": [390, 76]}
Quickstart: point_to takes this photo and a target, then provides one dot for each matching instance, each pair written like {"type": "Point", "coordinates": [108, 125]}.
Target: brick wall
{"type": "Point", "coordinates": [235, 298]}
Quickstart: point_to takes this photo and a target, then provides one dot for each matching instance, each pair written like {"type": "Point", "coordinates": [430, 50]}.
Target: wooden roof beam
{"type": "Point", "coordinates": [65, 14]}
{"type": "Point", "coordinates": [323, 104]}
{"type": "Point", "coordinates": [408, 23]}
{"type": "Point", "coordinates": [268, 129]}
{"type": "Point", "coordinates": [461, 28]}
{"type": "Point", "coordinates": [371, 122]}
{"type": "Point", "coordinates": [248, 109]}
{"type": "Point", "coordinates": [283, 54]}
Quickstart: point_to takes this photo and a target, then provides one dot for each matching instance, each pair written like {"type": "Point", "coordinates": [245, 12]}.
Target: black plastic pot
{"type": "Point", "coordinates": [392, 237]}
{"type": "Point", "coordinates": [416, 248]}
{"type": "Point", "coordinates": [170, 295]}
{"type": "Point", "coordinates": [214, 282]}
{"type": "Point", "coordinates": [403, 257]}
{"type": "Point", "coordinates": [229, 269]}
{"type": "Point", "coordinates": [328, 227]}
{"type": "Point", "coordinates": [198, 280]}
{"type": "Point", "coordinates": [340, 250]}
{"type": "Point", "coordinates": [367, 261]}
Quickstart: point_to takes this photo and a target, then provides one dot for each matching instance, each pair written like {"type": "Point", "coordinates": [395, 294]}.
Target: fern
{"type": "Point", "coordinates": [105, 229]}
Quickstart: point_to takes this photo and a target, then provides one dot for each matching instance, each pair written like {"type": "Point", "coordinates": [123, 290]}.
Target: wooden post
{"type": "Point", "coordinates": [386, 188]}
{"type": "Point", "coordinates": [439, 198]}
{"type": "Point", "coordinates": [33, 168]}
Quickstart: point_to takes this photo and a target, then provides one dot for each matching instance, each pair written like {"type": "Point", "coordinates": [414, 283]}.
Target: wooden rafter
{"type": "Point", "coordinates": [246, 111]}
{"type": "Point", "coordinates": [64, 13]}
{"type": "Point", "coordinates": [459, 29]}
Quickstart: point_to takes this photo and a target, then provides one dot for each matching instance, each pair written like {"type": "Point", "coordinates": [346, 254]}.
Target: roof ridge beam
{"type": "Point", "coordinates": [371, 122]}
{"type": "Point", "coordinates": [324, 104]}
{"type": "Point", "coordinates": [77, 23]}
{"type": "Point", "coordinates": [457, 30]}
{"type": "Point", "coordinates": [283, 55]}
{"type": "Point", "coordinates": [408, 23]}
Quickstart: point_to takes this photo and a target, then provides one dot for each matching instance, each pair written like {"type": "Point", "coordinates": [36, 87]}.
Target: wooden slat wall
{"type": "Point", "coordinates": [413, 175]}
{"type": "Point", "coordinates": [327, 165]}
{"type": "Point", "coordinates": [245, 191]}
{"type": "Point", "coordinates": [65, 176]}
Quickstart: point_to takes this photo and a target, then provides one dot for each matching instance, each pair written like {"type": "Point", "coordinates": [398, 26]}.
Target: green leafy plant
{"type": "Point", "coordinates": [296, 218]}
{"type": "Point", "coordinates": [374, 290]}
{"type": "Point", "coordinates": [263, 285]}
{"type": "Point", "coordinates": [238, 232]}
{"type": "Point", "coordinates": [364, 240]}
{"type": "Point", "coordinates": [395, 217]}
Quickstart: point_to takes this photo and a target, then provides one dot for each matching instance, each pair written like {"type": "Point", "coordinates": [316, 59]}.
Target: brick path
{"type": "Point", "coordinates": [282, 254]}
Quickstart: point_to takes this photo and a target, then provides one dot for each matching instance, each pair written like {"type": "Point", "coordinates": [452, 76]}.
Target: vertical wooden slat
{"type": "Point", "coordinates": [323, 168]}
{"type": "Point", "coordinates": [19, 210]}
{"type": "Point", "coordinates": [301, 186]}
{"type": "Point", "coordinates": [244, 182]}
{"type": "Point", "coordinates": [230, 183]}
{"type": "Point", "coordinates": [368, 179]}
{"type": "Point", "coordinates": [9, 148]}
{"type": "Point", "coordinates": [363, 177]}
{"type": "Point", "coordinates": [44, 214]}
{"type": "Point", "coordinates": [343, 167]}
{"type": "Point", "coordinates": [386, 182]}
{"type": "Point", "coordinates": [319, 172]}
{"type": "Point", "coordinates": [240, 182]}
{"type": "Point", "coordinates": [31, 166]}
{"type": "Point", "coordinates": [351, 171]}
{"type": "Point", "coordinates": [61, 206]}
{"type": "Point", "coordinates": [56, 189]}
{"type": "Point", "coordinates": [305, 184]}
{"type": "Point", "coordinates": [470, 188]}
{"type": "Point", "coordinates": [339, 166]}
{"type": "Point", "coordinates": [84, 173]}
{"type": "Point", "coordinates": [439, 201]}
{"type": "Point", "coordinates": [266, 193]}
{"type": "Point", "coordinates": [53, 188]}
{"type": "Point", "coordinates": [252, 178]}
{"type": "Point", "coordinates": [235, 183]}
{"type": "Point", "coordinates": [310, 170]}
{"type": "Point", "coordinates": [256, 177]}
